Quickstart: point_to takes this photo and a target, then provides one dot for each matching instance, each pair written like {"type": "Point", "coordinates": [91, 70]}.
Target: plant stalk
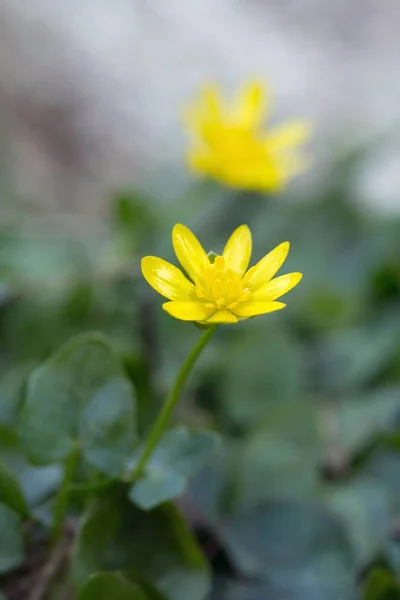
{"type": "Point", "coordinates": [171, 401]}
{"type": "Point", "coordinates": [61, 504]}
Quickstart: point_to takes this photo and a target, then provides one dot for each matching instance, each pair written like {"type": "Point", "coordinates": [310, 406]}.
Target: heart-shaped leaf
{"type": "Point", "coordinates": [79, 396]}
{"type": "Point", "coordinates": [107, 426]}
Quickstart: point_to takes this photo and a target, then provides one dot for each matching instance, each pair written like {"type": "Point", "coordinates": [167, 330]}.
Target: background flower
{"type": "Point", "coordinates": [231, 144]}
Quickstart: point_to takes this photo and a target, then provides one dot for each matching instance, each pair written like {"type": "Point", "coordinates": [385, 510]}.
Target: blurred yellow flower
{"type": "Point", "coordinates": [222, 291]}
{"type": "Point", "coordinates": [231, 145]}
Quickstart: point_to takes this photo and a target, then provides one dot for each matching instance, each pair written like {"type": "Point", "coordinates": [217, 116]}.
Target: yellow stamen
{"type": "Point", "coordinates": [220, 286]}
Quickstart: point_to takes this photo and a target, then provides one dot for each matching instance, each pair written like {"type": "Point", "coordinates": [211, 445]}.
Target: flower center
{"type": "Point", "coordinates": [220, 287]}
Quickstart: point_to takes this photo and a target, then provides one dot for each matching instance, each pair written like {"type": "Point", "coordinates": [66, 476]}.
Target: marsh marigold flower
{"type": "Point", "coordinates": [232, 145]}
{"type": "Point", "coordinates": [219, 290]}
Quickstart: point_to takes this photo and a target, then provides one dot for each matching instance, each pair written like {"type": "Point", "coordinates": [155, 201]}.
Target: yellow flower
{"type": "Point", "coordinates": [222, 291]}
{"type": "Point", "coordinates": [231, 145]}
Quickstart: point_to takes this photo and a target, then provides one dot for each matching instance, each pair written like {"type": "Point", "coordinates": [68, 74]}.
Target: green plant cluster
{"type": "Point", "coordinates": [280, 477]}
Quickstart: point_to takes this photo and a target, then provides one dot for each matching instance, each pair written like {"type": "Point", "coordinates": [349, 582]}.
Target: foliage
{"type": "Point", "coordinates": [300, 500]}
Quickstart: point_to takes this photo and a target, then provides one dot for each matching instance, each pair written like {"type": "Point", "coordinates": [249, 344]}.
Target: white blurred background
{"type": "Point", "coordinates": [92, 91]}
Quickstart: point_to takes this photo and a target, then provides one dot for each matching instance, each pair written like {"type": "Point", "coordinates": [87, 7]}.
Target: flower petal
{"type": "Point", "coordinates": [252, 309]}
{"type": "Point", "coordinates": [277, 287]}
{"type": "Point", "coordinates": [166, 279]}
{"type": "Point", "coordinates": [288, 135]}
{"type": "Point", "coordinates": [222, 316]}
{"type": "Point", "coordinates": [207, 108]}
{"type": "Point", "coordinates": [251, 106]}
{"type": "Point", "coordinates": [189, 251]}
{"type": "Point", "coordinates": [188, 311]}
{"type": "Point", "coordinates": [237, 251]}
{"type": "Point", "coordinates": [212, 102]}
{"type": "Point", "coordinates": [266, 268]}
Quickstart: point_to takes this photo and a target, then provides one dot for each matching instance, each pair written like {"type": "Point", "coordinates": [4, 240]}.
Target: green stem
{"type": "Point", "coordinates": [63, 496]}
{"type": "Point", "coordinates": [171, 401]}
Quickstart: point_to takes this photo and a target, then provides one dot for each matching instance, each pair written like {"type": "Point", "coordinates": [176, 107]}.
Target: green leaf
{"type": "Point", "coordinates": [156, 545]}
{"type": "Point", "coordinates": [157, 487]}
{"type": "Point", "coordinates": [209, 491]}
{"type": "Point", "coordinates": [36, 483]}
{"type": "Point", "coordinates": [362, 418]}
{"type": "Point", "coordinates": [363, 505]}
{"type": "Point", "coordinates": [179, 455]}
{"type": "Point", "coordinates": [302, 549]}
{"type": "Point", "coordinates": [11, 494]}
{"type": "Point", "coordinates": [262, 363]}
{"type": "Point", "coordinates": [107, 427]}
{"type": "Point", "coordinates": [381, 585]}
{"type": "Point", "coordinates": [150, 591]}
{"type": "Point", "coordinates": [110, 586]}
{"type": "Point", "coordinates": [66, 398]}
{"type": "Point", "coordinates": [355, 357]}
{"type": "Point", "coordinates": [11, 393]}
{"type": "Point", "coordinates": [383, 468]}
{"type": "Point", "coordinates": [280, 457]}
{"type": "Point", "coordinates": [11, 541]}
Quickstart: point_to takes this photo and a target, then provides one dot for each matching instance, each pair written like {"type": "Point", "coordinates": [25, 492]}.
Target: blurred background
{"type": "Point", "coordinates": [92, 92]}
{"type": "Point", "coordinates": [304, 499]}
